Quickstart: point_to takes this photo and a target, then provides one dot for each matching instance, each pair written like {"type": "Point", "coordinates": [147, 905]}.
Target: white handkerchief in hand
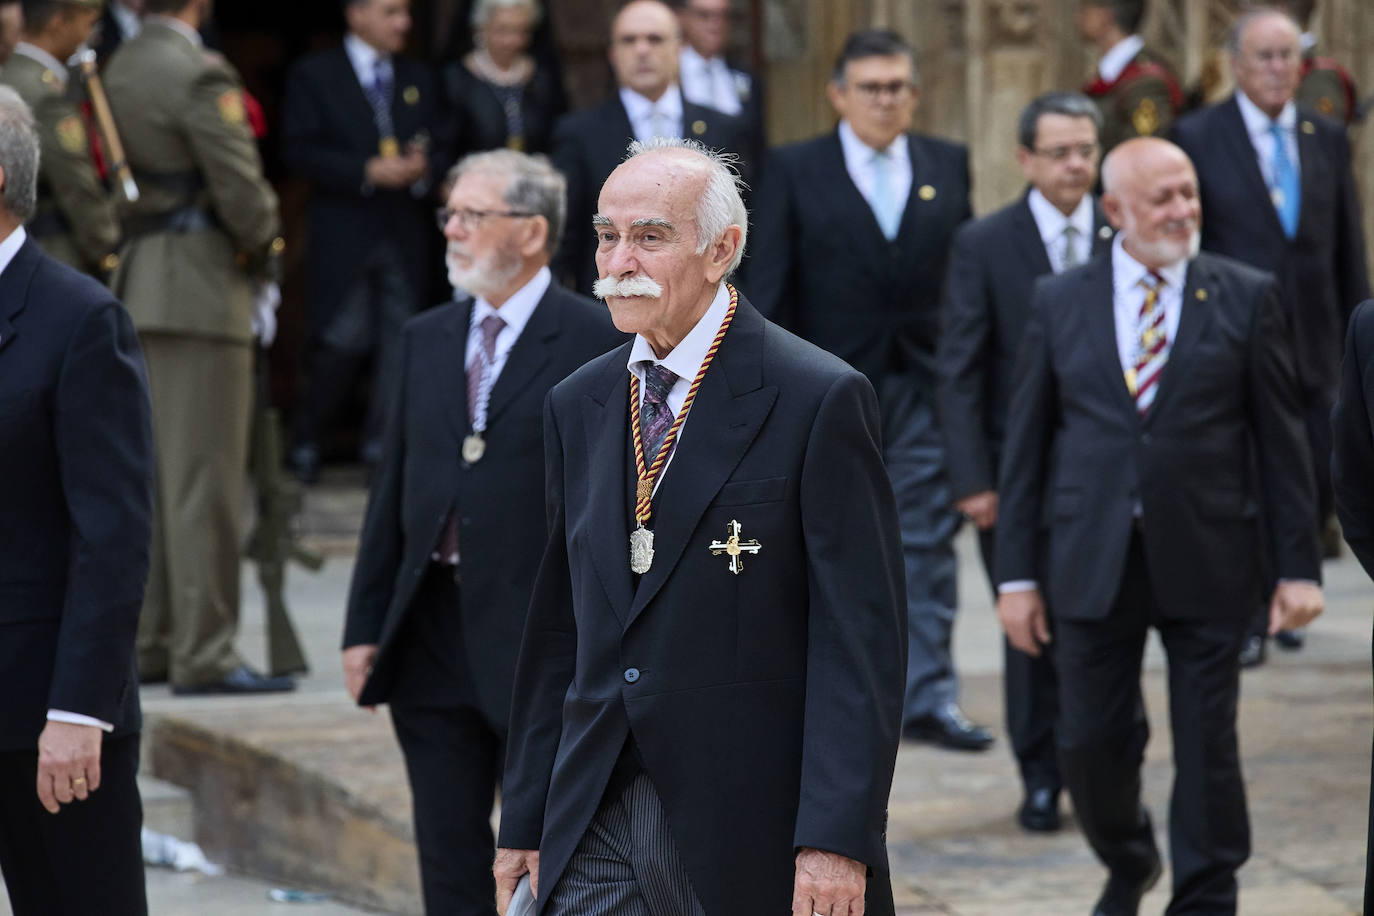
{"type": "Point", "coordinates": [522, 901]}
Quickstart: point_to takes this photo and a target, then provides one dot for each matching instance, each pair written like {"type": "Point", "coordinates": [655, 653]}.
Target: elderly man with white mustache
{"type": "Point", "coordinates": [1150, 382]}
{"type": "Point", "coordinates": [455, 520]}
{"type": "Point", "coordinates": [708, 700]}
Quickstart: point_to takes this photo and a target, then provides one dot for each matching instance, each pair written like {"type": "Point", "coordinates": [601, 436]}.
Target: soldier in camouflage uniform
{"type": "Point", "coordinates": [1138, 93]}
{"type": "Point", "coordinates": [199, 244]}
{"type": "Point", "coordinates": [76, 220]}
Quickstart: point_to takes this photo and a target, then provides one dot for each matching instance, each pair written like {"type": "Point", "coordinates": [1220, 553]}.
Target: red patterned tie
{"type": "Point", "coordinates": [1151, 348]}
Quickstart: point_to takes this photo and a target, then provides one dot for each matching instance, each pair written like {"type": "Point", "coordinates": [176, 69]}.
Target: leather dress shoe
{"type": "Point", "coordinates": [1121, 896]}
{"type": "Point", "coordinates": [1252, 652]}
{"type": "Point", "coordinates": [241, 680]}
{"type": "Point", "coordinates": [949, 727]}
{"type": "Point", "coordinates": [1039, 810]}
{"type": "Point", "coordinates": [1291, 639]}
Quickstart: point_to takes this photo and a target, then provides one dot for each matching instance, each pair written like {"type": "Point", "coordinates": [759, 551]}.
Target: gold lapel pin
{"type": "Point", "coordinates": [1308, 127]}
{"type": "Point", "coordinates": [1201, 295]}
{"type": "Point", "coordinates": [698, 127]}
{"type": "Point", "coordinates": [927, 192]}
{"type": "Point", "coordinates": [411, 95]}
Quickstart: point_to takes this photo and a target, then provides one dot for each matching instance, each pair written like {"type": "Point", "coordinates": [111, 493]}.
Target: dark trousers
{"type": "Point", "coordinates": [453, 754]}
{"type": "Point", "coordinates": [1102, 732]}
{"type": "Point", "coordinates": [626, 863]}
{"type": "Point", "coordinates": [1030, 691]}
{"type": "Point", "coordinates": [87, 858]}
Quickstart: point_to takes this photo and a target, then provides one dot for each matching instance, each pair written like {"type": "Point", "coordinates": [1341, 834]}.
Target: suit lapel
{"type": "Point", "coordinates": [729, 410]}
{"type": "Point", "coordinates": [1311, 165]}
{"type": "Point", "coordinates": [1101, 297]}
{"type": "Point", "coordinates": [1242, 152]}
{"type": "Point", "coordinates": [1028, 241]}
{"type": "Point", "coordinates": [845, 201]}
{"type": "Point", "coordinates": [355, 97]}
{"type": "Point", "coordinates": [1195, 315]}
{"type": "Point", "coordinates": [14, 289]}
{"type": "Point", "coordinates": [605, 419]}
{"type": "Point", "coordinates": [1102, 231]}
{"type": "Point", "coordinates": [529, 355]}
{"type": "Point", "coordinates": [457, 331]}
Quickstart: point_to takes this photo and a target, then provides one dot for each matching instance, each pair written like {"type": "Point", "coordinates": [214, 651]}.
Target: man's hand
{"type": "Point", "coordinates": [1295, 604]}
{"type": "Point", "coordinates": [829, 884]}
{"type": "Point", "coordinates": [68, 764]}
{"type": "Point", "coordinates": [417, 164]}
{"type": "Point", "coordinates": [357, 667]}
{"type": "Point", "coordinates": [390, 171]}
{"type": "Point", "coordinates": [980, 508]}
{"type": "Point", "coordinates": [509, 866]}
{"type": "Point", "coordinates": [1023, 618]}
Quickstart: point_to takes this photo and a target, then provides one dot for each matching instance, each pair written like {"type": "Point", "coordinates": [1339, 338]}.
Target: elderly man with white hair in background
{"type": "Point", "coordinates": [708, 699]}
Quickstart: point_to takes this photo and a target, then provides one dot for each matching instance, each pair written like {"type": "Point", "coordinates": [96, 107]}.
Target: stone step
{"type": "Point", "coordinates": [167, 808]}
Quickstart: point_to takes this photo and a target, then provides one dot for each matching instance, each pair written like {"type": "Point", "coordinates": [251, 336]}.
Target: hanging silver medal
{"type": "Point", "coordinates": [475, 443]}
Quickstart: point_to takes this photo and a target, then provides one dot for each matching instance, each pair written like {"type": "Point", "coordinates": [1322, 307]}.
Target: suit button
{"type": "Point", "coordinates": [631, 675]}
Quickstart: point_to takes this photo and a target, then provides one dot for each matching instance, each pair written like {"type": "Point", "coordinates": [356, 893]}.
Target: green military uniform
{"type": "Point", "coordinates": [1327, 87]}
{"type": "Point", "coordinates": [198, 240]}
{"type": "Point", "coordinates": [1141, 102]}
{"type": "Point", "coordinates": [76, 220]}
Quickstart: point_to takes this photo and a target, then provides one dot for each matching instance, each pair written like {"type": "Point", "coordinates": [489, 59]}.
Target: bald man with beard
{"type": "Point", "coordinates": [1149, 382]}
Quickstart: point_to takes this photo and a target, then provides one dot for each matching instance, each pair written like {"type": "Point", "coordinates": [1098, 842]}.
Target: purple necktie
{"type": "Point", "coordinates": [655, 417]}
{"type": "Point", "coordinates": [479, 371]}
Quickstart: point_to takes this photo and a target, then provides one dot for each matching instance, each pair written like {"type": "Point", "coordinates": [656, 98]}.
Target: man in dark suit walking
{"type": "Point", "coordinates": [854, 230]}
{"type": "Point", "coordinates": [1148, 385]}
{"type": "Point", "coordinates": [452, 538]}
{"type": "Point", "coordinates": [1352, 478]}
{"type": "Point", "coordinates": [362, 125]}
{"type": "Point", "coordinates": [76, 452]}
{"type": "Point", "coordinates": [708, 696]}
{"type": "Point", "coordinates": [648, 103]}
{"type": "Point", "coordinates": [1056, 225]}
{"type": "Point", "coordinates": [1279, 194]}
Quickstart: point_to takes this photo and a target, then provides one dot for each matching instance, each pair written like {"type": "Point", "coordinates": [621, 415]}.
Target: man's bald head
{"type": "Point", "coordinates": [1150, 194]}
{"type": "Point", "coordinates": [1266, 58]}
{"type": "Point", "coordinates": [645, 40]}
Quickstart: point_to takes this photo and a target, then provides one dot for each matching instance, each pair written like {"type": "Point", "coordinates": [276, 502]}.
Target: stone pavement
{"type": "Point", "coordinates": [306, 787]}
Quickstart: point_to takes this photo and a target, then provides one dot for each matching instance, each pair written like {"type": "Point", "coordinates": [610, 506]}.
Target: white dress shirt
{"type": "Point", "coordinates": [130, 23]}
{"type": "Point", "coordinates": [364, 59]}
{"type": "Point", "coordinates": [1052, 224]}
{"type": "Point", "coordinates": [176, 25]}
{"type": "Point", "coordinates": [515, 312]}
{"type": "Point", "coordinates": [8, 249]}
{"type": "Point", "coordinates": [33, 52]}
{"type": "Point", "coordinates": [1119, 57]}
{"type": "Point", "coordinates": [684, 360]}
{"type": "Point", "coordinates": [710, 82]}
{"type": "Point", "coordinates": [858, 161]}
{"type": "Point", "coordinates": [646, 116]}
{"type": "Point", "coordinates": [1260, 128]}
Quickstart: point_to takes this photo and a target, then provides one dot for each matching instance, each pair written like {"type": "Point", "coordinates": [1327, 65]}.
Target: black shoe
{"type": "Point", "coordinates": [304, 462]}
{"type": "Point", "coordinates": [241, 680]}
{"type": "Point", "coordinates": [1121, 896]}
{"type": "Point", "coordinates": [1039, 811]}
{"type": "Point", "coordinates": [1252, 652]}
{"type": "Point", "coordinates": [949, 727]}
{"type": "Point", "coordinates": [1291, 639]}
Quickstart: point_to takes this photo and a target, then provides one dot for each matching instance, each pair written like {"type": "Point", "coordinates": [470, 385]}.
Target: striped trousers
{"type": "Point", "coordinates": [626, 863]}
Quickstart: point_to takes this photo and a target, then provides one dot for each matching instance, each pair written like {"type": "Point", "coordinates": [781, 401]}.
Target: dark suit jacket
{"type": "Point", "coordinates": [1352, 453]}
{"type": "Point", "coordinates": [1321, 272]}
{"type": "Point", "coordinates": [588, 145]}
{"type": "Point", "coordinates": [76, 452]}
{"type": "Point", "coordinates": [992, 266]}
{"type": "Point", "coordinates": [822, 268]}
{"type": "Point", "coordinates": [499, 499]}
{"type": "Point", "coordinates": [481, 119]}
{"type": "Point", "coordinates": [765, 706]}
{"type": "Point", "coordinates": [1079, 458]}
{"type": "Point", "coordinates": [328, 134]}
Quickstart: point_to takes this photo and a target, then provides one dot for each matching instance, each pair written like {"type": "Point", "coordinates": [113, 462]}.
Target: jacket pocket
{"type": "Point", "coordinates": [747, 492]}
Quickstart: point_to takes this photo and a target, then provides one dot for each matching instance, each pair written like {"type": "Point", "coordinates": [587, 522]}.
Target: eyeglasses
{"type": "Point", "coordinates": [1062, 153]}
{"type": "Point", "coordinates": [874, 92]}
{"type": "Point", "coordinates": [469, 219]}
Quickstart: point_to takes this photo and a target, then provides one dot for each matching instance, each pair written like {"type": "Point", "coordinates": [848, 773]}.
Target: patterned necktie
{"type": "Point", "coordinates": [379, 97]}
{"type": "Point", "coordinates": [886, 208]}
{"type": "Point", "coordinates": [1151, 348]}
{"type": "Point", "coordinates": [1071, 255]}
{"type": "Point", "coordinates": [1287, 188]}
{"type": "Point", "coordinates": [655, 417]}
{"type": "Point", "coordinates": [479, 372]}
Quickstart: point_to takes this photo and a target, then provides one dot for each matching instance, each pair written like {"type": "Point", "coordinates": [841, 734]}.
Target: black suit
{"type": "Point", "coordinates": [1078, 463]}
{"type": "Point", "coordinates": [587, 147]}
{"type": "Point", "coordinates": [993, 264]}
{"type": "Point", "coordinates": [368, 251]}
{"type": "Point", "coordinates": [1321, 272]}
{"type": "Point", "coordinates": [481, 118]}
{"type": "Point", "coordinates": [447, 655]}
{"type": "Point", "coordinates": [76, 452]}
{"type": "Point", "coordinates": [823, 268]}
{"type": "Point", "coordinates": [764, 706]}
{"type": "Point", "coordinates": [1352, 475]}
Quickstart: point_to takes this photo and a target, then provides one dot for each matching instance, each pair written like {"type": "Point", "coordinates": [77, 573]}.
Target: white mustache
{"type": "Point", "coordinates": [610, 287]}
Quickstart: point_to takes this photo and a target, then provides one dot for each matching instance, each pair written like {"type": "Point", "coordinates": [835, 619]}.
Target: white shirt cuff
{"type": "Point", "coordinates": [1017, 585]}
{"type": "Point", "coordinates": [75, 718]}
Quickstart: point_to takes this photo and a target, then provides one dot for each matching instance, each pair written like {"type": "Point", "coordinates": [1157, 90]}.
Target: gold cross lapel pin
{"type": "Point", "coordinates": [734, 547]}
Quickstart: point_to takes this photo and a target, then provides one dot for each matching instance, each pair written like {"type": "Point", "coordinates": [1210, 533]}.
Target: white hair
{"type": "Point", "coordinates": [482, 10]}
{"type": "Point", "coordinates": [722, 203]}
